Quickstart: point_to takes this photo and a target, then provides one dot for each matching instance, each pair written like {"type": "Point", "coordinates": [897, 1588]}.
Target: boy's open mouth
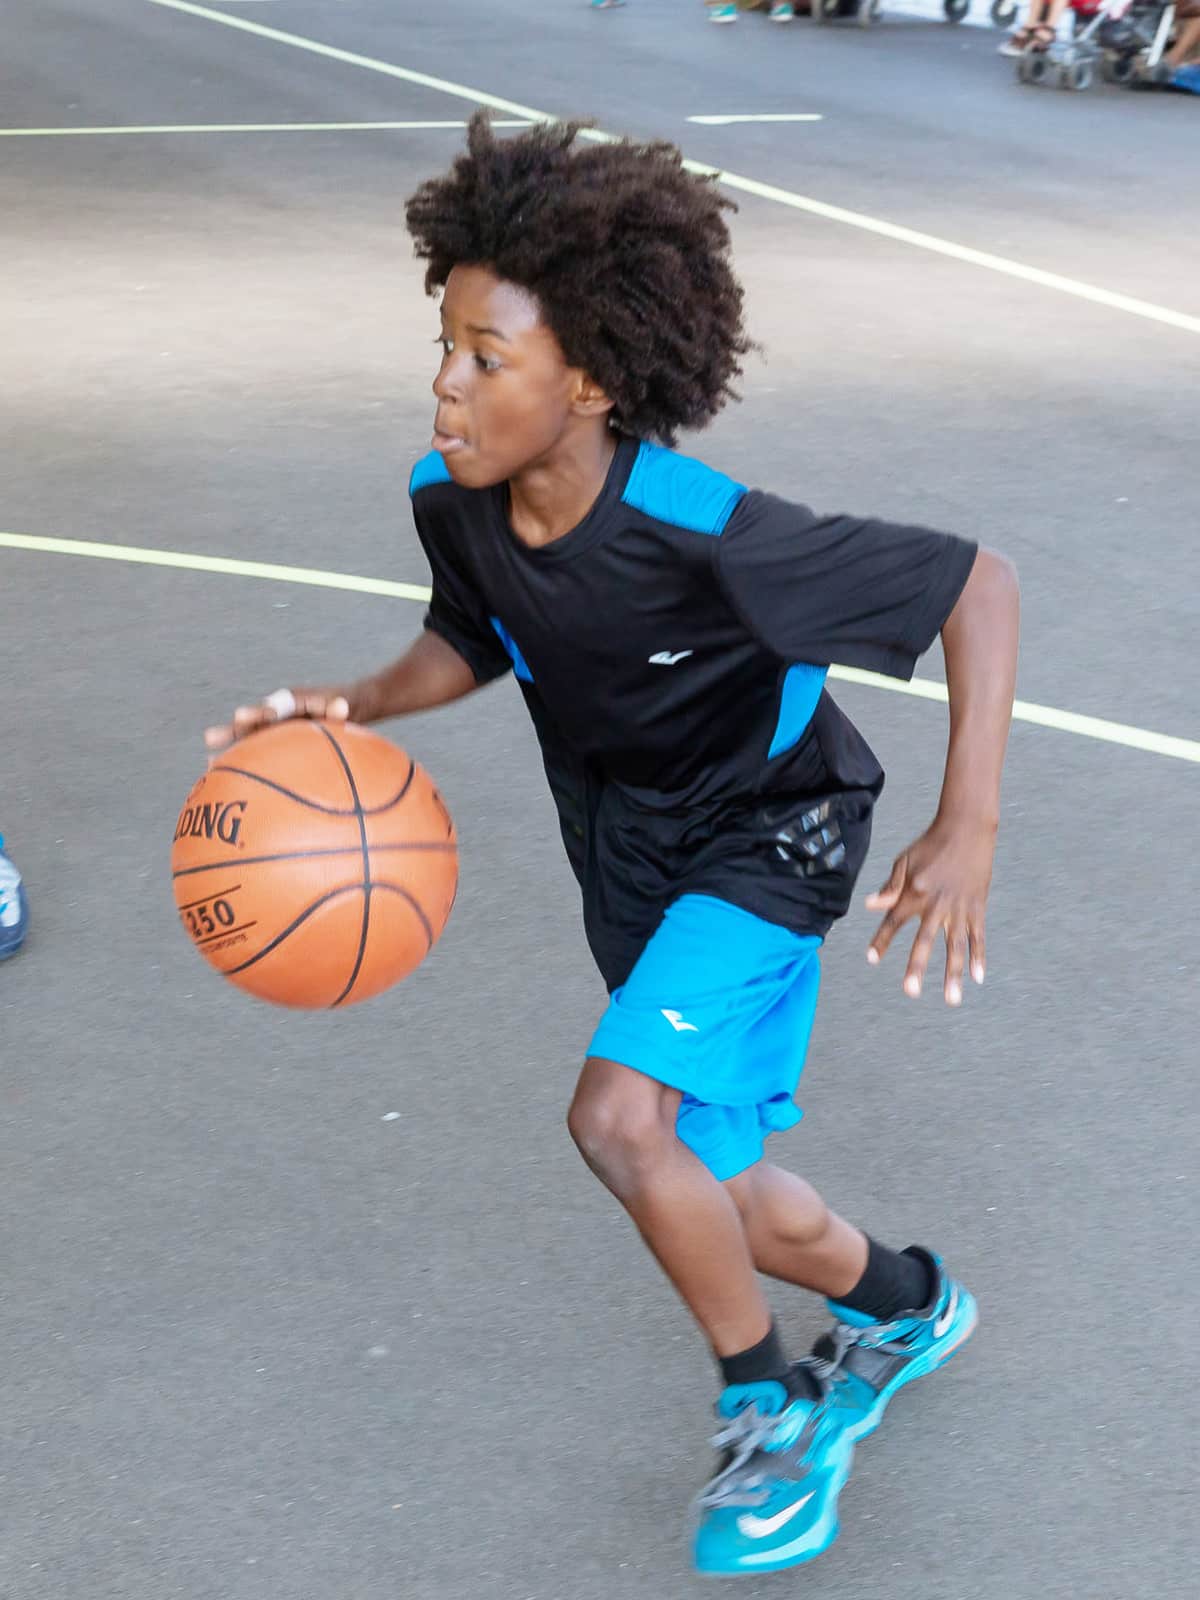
{"type": "Point", "coordinates": [446, 441]}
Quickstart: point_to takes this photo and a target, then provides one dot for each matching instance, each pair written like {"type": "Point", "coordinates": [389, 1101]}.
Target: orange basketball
{"type": "Point", "coordinates": [314, 864]}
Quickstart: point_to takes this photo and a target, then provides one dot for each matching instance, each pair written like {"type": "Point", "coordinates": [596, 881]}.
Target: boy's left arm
{"type": "Point", "coordinates": [943, 877]}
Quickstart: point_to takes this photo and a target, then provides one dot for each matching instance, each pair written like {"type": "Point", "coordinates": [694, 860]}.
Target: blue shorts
{"type": "Point", "coordinates": [720, 1004]}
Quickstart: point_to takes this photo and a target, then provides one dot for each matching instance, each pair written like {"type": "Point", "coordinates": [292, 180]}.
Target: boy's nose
{"type": "Point", "coordinates": [445, 384]}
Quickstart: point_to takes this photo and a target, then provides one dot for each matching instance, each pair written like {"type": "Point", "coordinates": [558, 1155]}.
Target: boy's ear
{"type": "Point", "coordinates": [590, 399]}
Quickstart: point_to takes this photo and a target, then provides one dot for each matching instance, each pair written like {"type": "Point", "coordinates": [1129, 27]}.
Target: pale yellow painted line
{"type": "Point", "coordinates": [1160, 744]}
{"type": "Point", "coordinates": [1130, 305]}
{"type": "Point", "coordinates": [223, 564]}
{"type": "Point", "coordinates": [723, 120]}
{"type": "Point", "coordinates": [237, 127]}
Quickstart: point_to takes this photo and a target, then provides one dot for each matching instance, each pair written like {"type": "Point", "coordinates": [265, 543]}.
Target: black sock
{"type": "Point", "coordinates": [766, 1362]}
{"type": "Point", "coordinates": [763, 1361]}
{"type": "Point", "coordinates": [894, 1282]}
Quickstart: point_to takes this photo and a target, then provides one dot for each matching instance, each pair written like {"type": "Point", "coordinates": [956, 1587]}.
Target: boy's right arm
{"type": "Point", "coordinates": [429, 673]}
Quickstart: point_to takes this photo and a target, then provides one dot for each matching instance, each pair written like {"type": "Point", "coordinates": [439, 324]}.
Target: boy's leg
{"type": "Point", "coordinates": [794, 1236]}
{"type": "Point", "coordinates": [624, 1125]}
{"type": "Point", "coordinates": [792, 1233]}
{"type": "Point", "coordinates": [785, 1449]}
{"type": "Point", "coordinates": [712, 1238]}
{"type": "Point", "coordinates": [901, 1318]}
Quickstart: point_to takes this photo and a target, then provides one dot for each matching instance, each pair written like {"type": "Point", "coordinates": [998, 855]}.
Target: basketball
{"type": "Point", "coordinates": [314, 864]}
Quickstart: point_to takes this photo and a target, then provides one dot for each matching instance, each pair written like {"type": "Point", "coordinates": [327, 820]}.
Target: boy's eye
{"type": "Point", "coordinates": [484, 363]}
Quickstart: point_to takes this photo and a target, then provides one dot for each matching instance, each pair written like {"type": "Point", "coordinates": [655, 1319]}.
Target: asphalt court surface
{"type": "Point", "coordinates": [260, 1341]}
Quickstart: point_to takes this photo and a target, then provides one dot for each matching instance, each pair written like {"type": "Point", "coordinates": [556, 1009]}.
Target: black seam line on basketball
{"type": "Point", "coordinates": [208, 898]}
{"type": "Point", "coordinates": [315, 805]}
{"type": "Point", "coordinates": [297, 855]}
{"type": "Point", "coordinates": [366, 858]}
{"type": "Point", "coordinates": [225, 933]}
{"type": "Point", "coordinates": [345, 888]}
{"type": "Point", "coordinates": [394, 888]}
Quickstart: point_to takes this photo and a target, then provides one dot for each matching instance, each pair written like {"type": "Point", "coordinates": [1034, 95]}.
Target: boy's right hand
{"type": "Point", "coordinates": [331, 704]}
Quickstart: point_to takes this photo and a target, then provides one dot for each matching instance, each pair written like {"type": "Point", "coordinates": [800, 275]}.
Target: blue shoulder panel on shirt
{"type": "Point", "coordinates": [430, 469]}
{"type": "Point", "coordinates": [520, 665]}
{"type": "Point", "coordinates": [681, 491]}
{"type": "Point", "coordinates": [802, 685]}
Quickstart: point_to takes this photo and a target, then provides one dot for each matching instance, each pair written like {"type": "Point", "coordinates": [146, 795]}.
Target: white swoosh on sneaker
{"type": "Point", "coordinates": [759, 1527]}
{"type": "Point", "coordinates": [942, 1324]}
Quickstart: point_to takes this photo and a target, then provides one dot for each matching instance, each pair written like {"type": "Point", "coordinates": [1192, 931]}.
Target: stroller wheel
{"type": "Point", "coordinates": [955, 10]}
{"type": "Point", "coordinates": [1075, 75]}
{"type": "Point", "coordinates": [825, 10]}
{"type": "Point", "coordinates": [1033, 66]}
{"type": "Point", "coordinates": [868, 12]}
{"type": "Point", "coordinates": [1002, 12]}
{"type": "Point", "coordinates": [1118, 69]}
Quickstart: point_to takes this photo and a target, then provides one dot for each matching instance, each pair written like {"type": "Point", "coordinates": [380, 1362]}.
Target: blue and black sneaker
{"type": "Point", "coordinates": [14, 908]}
{"type": "Point", "coordinates": [773, 1504]}
{"type": "Point", "coordinates": [867, 1361]}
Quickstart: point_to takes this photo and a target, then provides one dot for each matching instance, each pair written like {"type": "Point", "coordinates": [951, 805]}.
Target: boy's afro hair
{"type": "Point", "coordinates": [626, 253]}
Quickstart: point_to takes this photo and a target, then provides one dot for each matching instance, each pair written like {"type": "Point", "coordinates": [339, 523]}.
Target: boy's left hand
{"type": "Point", "coordinates": [943, 878]}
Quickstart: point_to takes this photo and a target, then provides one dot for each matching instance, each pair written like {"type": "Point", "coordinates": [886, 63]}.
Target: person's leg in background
{"type": "Point", "coordinates": [1039, 29]}
{"type": "Point", "coordinates": [1186, 48]}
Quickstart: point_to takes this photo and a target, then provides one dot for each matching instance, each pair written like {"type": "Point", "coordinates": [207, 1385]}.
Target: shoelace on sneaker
{"type": "Point", "coordinates": [832, 1348]}
{"type": "Point", "coordinates": [747, 1433]}
{"type": "Point", "coordinates": [744, 1437]}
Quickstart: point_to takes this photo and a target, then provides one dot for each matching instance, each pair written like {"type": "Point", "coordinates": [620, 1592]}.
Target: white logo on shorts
{"type": "Point", "coordinates": [669, 658]}
{"type": "Point", "coordinates": [675, 1018]}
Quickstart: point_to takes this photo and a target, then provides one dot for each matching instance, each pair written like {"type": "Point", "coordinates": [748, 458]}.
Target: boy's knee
{"type": "Point", "coordinates": [622, 1129]}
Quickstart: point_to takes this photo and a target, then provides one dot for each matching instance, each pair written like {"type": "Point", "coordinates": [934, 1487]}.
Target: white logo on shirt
{"type": "Point", "coordinates": [664, 658]}
{"type": "Point", "coordinates": [675, 1018]}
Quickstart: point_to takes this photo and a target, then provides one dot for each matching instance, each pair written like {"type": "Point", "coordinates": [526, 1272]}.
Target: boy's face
{"type": "Point", "coordinates": [506, 396]}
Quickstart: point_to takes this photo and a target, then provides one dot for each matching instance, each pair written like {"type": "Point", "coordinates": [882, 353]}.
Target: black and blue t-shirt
{"type": "Point", "coordinates": [672, 650]}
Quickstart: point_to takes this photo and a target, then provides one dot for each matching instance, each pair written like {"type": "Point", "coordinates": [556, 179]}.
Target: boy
{"type": "Point", "coordinates": [670, 632]}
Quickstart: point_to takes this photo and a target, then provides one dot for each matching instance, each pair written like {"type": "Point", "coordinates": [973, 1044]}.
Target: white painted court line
{"type": "Point", "coordinates": [1075, 287]}
{"type": "Point", "coordinates": [1159, 744]}
{"type": "Point", "coordinates": [240, 127]}
{"type": "Point", "coordinates": [723, 121]}
{"type": "Point", "coordinates": [406, 74]}
{"type": "Point", "coordinates": [222, 564]}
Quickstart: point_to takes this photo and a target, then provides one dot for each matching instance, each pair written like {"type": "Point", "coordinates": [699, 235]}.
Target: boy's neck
{"type": "Point", "coordinates": [549, 499]}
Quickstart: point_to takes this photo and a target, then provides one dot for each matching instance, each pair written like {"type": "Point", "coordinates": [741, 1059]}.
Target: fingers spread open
{"type": "Point", "coordinates": [978, 944]}
{"type": "Point", "coordinates": [918, 961]}
{"type": "Point", "coordinates": [956, 956]}
{"type": "Point", "coordinates": [886, 897]}
{"type": "Point", "coordinates": [888, 929]}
